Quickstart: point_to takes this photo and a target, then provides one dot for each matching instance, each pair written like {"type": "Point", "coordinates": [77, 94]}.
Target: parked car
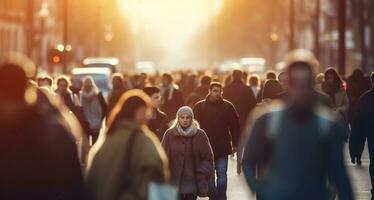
{"type": "Point", "coordinates": [111, 63]}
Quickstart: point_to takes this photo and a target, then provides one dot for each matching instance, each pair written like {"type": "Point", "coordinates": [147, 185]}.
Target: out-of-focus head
{"type": "Point", "coordinates": [215, 91]}
{"type": "Point", "coordinates": [15, 69]}
{"type": "Point", "coordinates": [357, 74]}
{"type": "Point", "coordinates": [245, 77]}
{"type": "Point", "coordinates": [333, 79]}
{"type": "Point", "coordinates": [185, 116]}
{"type": "Point", "coordinates": [320, 78]}
{"type": "Point", "coordinates": [301, 67]}
{"type": "Point", "coordinates": [88, 83]}
{"type": "Point", "coordinates": [254, 80]}
{"type": "Point", "coordinates": [45, 81]}
{"type": "Point", "coordinates": [166, 79]}
{"type": "Point", "coordinates": [283, 80]}
{"type": "Point", "coordinates": [272, 89]}
{"type": "Point", "coordinates": [271, 75]}
{"type": "Point", "coordinates": [372, 78]}
{"type": "Point", "coordinates": [206, 80]}
{"type": "Point", "coordinates": [237, 75]}
{"type": "Point", "coordinates": [63, 83]}
{"type": "Point", "coordinates": [117, 80]}
{"type": "Point", "coordinates": [134, 106]}
{"type": "Point", "coordinates": [154, 94]}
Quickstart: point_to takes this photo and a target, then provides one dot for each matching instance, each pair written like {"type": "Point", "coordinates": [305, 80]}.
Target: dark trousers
{"type": "Point", "coordinates": [371, 155]}
{"type": "Point", "coordinates": [187, 197]}
{"type": "Point", "coordinates": [218, 188]}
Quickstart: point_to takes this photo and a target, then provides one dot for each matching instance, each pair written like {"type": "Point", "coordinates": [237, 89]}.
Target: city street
{"type": "Point", "coordinates": [237, 188]}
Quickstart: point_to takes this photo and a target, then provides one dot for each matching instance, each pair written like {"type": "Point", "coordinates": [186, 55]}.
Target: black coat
{"type": "Point", "coordinates": [242, 97]}
{"type": "Point", "coordinates": [220, 121]}
{"type": "Point", "coordinates": [159, 124]}
{"type": "Point", "coordinates": [38, 156]}
{"type": "Point", "coordinates": [170, 107]}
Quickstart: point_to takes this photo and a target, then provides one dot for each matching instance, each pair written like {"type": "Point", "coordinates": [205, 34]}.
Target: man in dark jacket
{"type": "Point", "coordinates": [219, 119]}
{"type": "Point", "coordinates": [38, 155]}
{"type": "Point", "coordinates": [297, 146]}
{"type": "Point", "coordinates": [159, 121]}
{"type": "Point", "coordinates": [171, 96]}
{"type": "Point", "coordinates": [363, 126]}
{"type": "Point", "coordinates": [118, 90]}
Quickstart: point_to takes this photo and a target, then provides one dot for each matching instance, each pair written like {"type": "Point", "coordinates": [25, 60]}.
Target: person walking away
{"type": "Point", "coordinates": [283, 80]}
{"type": "Point", "coordinates": [272, 89]}
{"type": "Point", "coordinates": [363, 126]}
{"type": "Point", "coordinates": [94, 106]}
{"type": "Point", "coordinates": [38, 153]}
{"type": "Point", "coordinates": [131, 152]}
{"type": "Point", "coordinates": [299, 143]}
{"type": "Point", "coordinates": [243, 103]}
{"type": "Point", "coordinates": [158, 123]}
{"type": "Point", "coordinates": [333, 87]}
{"type": "Point", "coordinates": [190, 155]}
{"type": "Point", "coordinates": [254, 84]}
{"type": "Point", "coordinates": [118, 90]}
{"type": "Point", "coordinates": [200, 92]}
{"type": "Point", "coordinates": [171, 96]}
{"type": "Point", "coordinates": [219, 119]}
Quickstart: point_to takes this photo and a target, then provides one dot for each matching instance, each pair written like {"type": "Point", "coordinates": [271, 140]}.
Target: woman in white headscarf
{"type": "Point", "coordinates": [190, 155]}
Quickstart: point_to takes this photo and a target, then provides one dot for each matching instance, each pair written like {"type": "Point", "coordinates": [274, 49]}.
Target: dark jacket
{"type": "Point", "coordinates": [242, 97]}
{"type": "Point", "coordinates": [38, 155]}
{"type": "Point", "coordinates": [158, 124]}
{"type": "Point", "coordinates": [220, 121]}
{"type": "Point", "coordinates": [170, 106]}
{"type": "Point", "coordinates": [180, 151]}
{"type": "Point", "coordinates": [106, 178]}
{"type": "Point", "coordinates": [197, 95]}
{"type": "Point", "coordinates": [114, 97]}
{"type": "Point", "coordinates": [300, 149]}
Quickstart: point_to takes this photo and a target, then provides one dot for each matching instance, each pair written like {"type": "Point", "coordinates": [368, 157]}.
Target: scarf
{"type": "Point", "coordinates": [189, 132]}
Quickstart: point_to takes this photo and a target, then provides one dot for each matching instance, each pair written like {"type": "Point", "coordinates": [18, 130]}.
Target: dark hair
{"type": "Point", "coordinates": [151, 90]}
{"type": "Point", "coordinates": [372, 78]}
{"type": "Point", "coordinates": [254, 80]}
{"type": "Point", "coordinates": [63, 78]}
{"type": "Point", "coordinates": [13, 81]}
{"type": "Point", "coordinates": [45, 78]}
{"type": "Point", "coordinates": [206, 80]}
{"type": "Point", "coordinates": [338, 83]}
{"type": "Point", "coordinates": [281, 74]}
{"type": "Point", "coordinates": [271, 75]}
{"type": "Point", "coordinates": [237, 74]}
{"type": "Point", "coordinates": [272, 89]}
{"type": "Point", "coordinates": [304, 66]}
{"type": "Point", "coordinates": [126, 107]}
{"type": "Point", "coordinates": [168, 76]}
{"type": "Point", "coordinates": [215, 84]}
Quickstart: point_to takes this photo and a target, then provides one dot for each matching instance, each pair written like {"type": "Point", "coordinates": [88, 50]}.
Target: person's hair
{"type": "Point", "coordinates": [338, 83]}
{"type": "Point", "coordinates": [357, 74]}
{"type": "Point", "coordinates": [89, 78]}
{"type": "Point", "coordinates": [215, 84]}
{"type": "Point", "coordinates": [206, 80]}
{"type": "Point", "coordinates": [254, 80]}
{"type": "Point", "coordinates": [45, 78]}
{"type": "Point", "coordinates": [117, 75]}
{"type": "Point", "coordinates": [281, 74]}
{"type": "Point", "coordinates": [126, 107]}
{"type": "Point", "coordinates": [304, 66]}
{"type": "Point", "coordinates": [271, 75]}
{"type": "Point", "coordinates": [13, 81]}
{"type": "Point", "coordinates": [372, 78]}
{"type": "Point", "coordinates": [272, 89]}
{"type": "Point", "coordinates": [237, 75]}
{"type": "Point", "coordinates": [63, 78]}
{"type": "Point", "coordinates": [151, 90]}
{"type": "Point", "coordinates": [168, 76]}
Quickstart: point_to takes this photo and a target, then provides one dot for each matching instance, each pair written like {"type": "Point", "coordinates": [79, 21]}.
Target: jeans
{"type": "Point", "coordinates": [218, 187]}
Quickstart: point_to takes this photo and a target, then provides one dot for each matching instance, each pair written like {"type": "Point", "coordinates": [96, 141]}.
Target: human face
{"type": "Point", "coordinates": [141, 115]}
{"type": "Point", "coordinates": [283, 79]}
{"type": "Point", "coordinates": [165, 81]}
{"type": "Point", "coordinates": [185, 120]}
{"type": "Point", "coordinates": [156, 100]}
{"type": "Point", "coordinates": [300, 85]}
{"type": "Point", "coordinates": [329, 79]}
{"type": "Point", "coordinates": [62, 86]}
{"type": "Point", "coordinates": [87, 85]}
{"type": "Point", "coordinates": [215, 93]}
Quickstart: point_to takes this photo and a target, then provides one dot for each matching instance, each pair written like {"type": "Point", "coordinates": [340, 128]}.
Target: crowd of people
{"type": "Point", "coordinates": [288, 131]}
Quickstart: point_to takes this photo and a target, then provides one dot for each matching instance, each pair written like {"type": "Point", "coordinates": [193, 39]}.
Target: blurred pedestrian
{"type": "Point", "coordinates": [131, 156]}
{"type": "Point", "coordinates": [299, 144]}
{"type": "Point", "coordinates": [320, 78]}
{"type": "Point", "coordinates": [254, 84]}
{"type": "Point", "coordinates": [70, 100]}
{"type": "Point", "coordinates": [200, 92]}
{"type": "Point", "coordinates": [38, 153]}
{"type": "Point", "coordinates": [94, 106]}
{"type": "Point", "coordinates": [159, 121]}
{"type": "Point", "coordinates": [219, 119]}
{"type": "Point", "coordinates": [118, 90]}
{"type": "Point", "coordinates": [272, 89]}
{"type": "Point", "coordinates": [171, 96]}
{"type": "Point", "coordinates": [190, 154]}
{"type": "Point", "coordinates": [282, 78]}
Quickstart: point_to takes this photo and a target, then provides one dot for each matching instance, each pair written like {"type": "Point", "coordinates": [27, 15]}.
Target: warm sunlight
{"type": "Point", "coordinates": [173, 21]}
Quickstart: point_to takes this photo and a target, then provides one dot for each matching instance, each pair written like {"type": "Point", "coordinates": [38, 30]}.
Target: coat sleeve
{"type": "Point", "coordinates": [336, 167]}
{"type": "Point", "coordinates": [234, 124]}
{"type": "Point", "coordinates": [206, 155]}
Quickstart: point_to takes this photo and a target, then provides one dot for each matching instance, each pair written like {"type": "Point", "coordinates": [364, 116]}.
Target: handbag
{"type": "Point", "coordinates": [202, 186]}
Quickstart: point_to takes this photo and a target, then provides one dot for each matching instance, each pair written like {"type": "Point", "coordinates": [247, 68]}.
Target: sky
{"type": "Point", "coordinates": [171, 22]}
